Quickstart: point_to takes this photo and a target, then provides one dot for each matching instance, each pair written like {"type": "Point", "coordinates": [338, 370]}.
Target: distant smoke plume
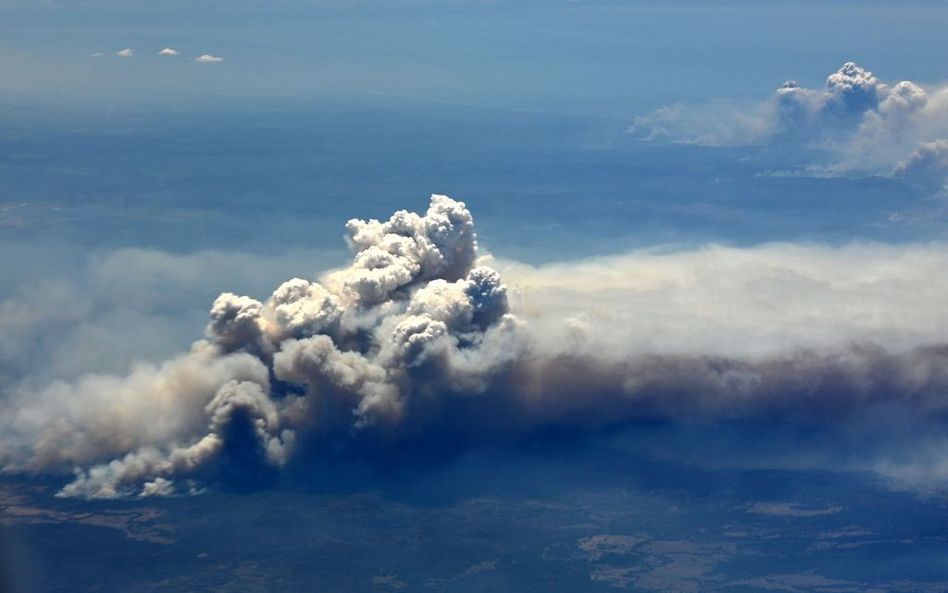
{"type": "Point", "coordinates": [418, 338]}
{"type": "Point", "coordinates": [866, 125]}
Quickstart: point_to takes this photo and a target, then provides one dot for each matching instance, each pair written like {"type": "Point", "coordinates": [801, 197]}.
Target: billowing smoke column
{"type": "Point", "coordinates": [412, 317]}
{"type": "Point", "coordinates": [417, 341]}
{"type": "Point", "coordinates": [850, 91]}
{"type": "Point", "coordinates": [412, 308]}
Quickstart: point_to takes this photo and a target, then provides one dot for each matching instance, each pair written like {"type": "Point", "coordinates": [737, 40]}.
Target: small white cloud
{"type": "Point", "coordinates": [97, 54]}
{"type": "Point", "coordinates": [169, 52]}
{"type": "Point", "coordinates": [125, 53]}
{"type": "Point", "coordinates": [207, 58]}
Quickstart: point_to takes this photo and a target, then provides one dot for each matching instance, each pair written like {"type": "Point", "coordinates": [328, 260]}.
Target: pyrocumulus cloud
{"type": "Point", "coordinates": [868, 126]}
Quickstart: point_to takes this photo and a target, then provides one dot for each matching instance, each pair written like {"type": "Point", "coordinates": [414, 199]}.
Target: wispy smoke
{"type": "Point", "coordinates": [927, 166]}
{"type": "Point", "coordinates": [419, 340]}
{"type": "Point", "coordinates": [869, 126]}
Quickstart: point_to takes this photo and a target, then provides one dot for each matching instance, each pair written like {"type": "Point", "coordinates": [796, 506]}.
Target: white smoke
{"type": "Point", "coordinates": [419, 338]}
{"type": "Point", "coordinates": [867, 125]}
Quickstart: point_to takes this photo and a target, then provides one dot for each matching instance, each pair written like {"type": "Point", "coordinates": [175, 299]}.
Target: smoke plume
{"type": "Point", "coordinates": [866, 125]}
{"type": "Point", "coordinates": [419, 340]}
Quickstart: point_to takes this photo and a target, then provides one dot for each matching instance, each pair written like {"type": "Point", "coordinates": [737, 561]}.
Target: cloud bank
{"type": "Point", "coordinates": [868, 126]}
{"type": "Point", "coordinates": [418, 340]}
